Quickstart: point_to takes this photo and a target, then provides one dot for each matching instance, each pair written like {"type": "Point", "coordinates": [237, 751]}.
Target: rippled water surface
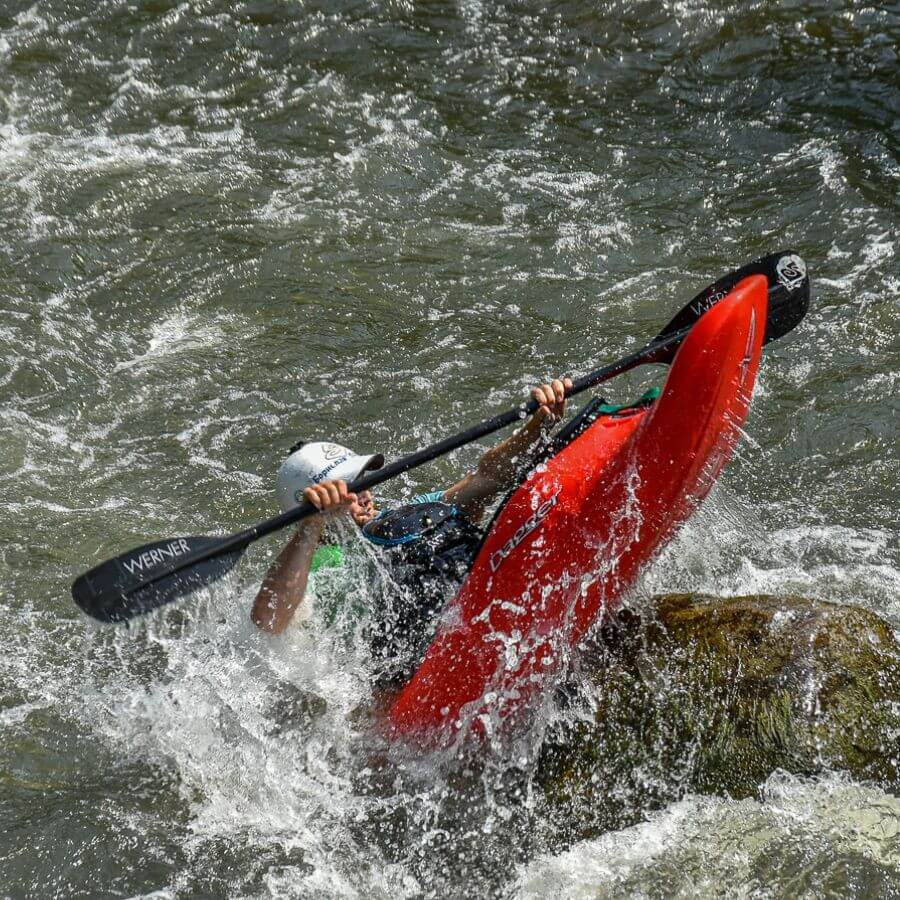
{"type": "Point", "coordinates": [227, 225]}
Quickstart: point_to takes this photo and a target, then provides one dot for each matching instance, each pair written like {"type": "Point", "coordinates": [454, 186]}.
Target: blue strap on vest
{"type": "Point", "coordinates": [418, 520]}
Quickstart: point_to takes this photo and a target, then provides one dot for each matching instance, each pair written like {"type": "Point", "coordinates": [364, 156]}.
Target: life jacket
{"type": "Point", "coordinates": [431, 547]}
{"type": "Point", "coordinates": [435, 537]}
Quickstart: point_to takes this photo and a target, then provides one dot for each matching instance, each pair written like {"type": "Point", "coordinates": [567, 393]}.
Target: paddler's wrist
{"type": "Point", "coordinates": [531, 433]}
{"type": "Point", "coordinates": [311, 527]}
{"type": "Point", "coordinates": [536, 426]}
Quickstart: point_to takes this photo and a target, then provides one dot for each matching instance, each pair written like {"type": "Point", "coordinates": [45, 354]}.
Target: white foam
{"type": "Point", "coordinates": [732, 549]}
{"type": "Point", "coordinates": [179, 333]}
{"type": "Point", "coordinates": [700, 844]}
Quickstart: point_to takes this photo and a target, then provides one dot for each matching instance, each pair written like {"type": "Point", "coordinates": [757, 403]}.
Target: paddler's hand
{"type": "Point", "coordinates": [552, 400]}
{"type": "Point", "coordinates": [363, 508]}
{"type": "Point", "coordinates": [503, 466]}
{"type": "Point", "coordinates": [330, 497]}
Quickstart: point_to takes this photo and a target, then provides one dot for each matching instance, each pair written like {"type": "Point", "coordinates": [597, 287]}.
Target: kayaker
{"type": "Point", "coordinates": [430, 542]}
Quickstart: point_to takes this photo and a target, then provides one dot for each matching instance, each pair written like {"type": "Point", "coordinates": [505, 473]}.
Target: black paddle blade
{"type": "Point", "coordinates": [788, 295]}
{"type": "Point", "coordinates": [139, 581]}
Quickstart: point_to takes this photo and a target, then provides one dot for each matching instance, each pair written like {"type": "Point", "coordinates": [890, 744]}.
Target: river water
{"type": "Point", "coordinates": [229, 225]}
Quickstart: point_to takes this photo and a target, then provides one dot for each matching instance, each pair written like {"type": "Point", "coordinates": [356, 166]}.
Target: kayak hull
{"type": "Point", "coordinates": [577, 533]}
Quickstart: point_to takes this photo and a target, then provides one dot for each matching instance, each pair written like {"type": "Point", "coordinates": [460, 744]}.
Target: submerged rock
{"type": "Point", "coordinates": [712, 695]}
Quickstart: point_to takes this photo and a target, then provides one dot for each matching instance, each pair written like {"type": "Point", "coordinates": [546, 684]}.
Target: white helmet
{"type": "Point", "coordinates": [311, 463]}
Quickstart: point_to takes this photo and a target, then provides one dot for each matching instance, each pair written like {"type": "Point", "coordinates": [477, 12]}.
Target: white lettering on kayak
{"type": "Point", "coordinates": [158, 555]}
{"type": "Point", "coordinates": [533, 522]}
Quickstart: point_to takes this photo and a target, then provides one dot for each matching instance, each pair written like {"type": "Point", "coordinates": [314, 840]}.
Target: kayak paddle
{"type": "Point", "coordinates": [155, 574]}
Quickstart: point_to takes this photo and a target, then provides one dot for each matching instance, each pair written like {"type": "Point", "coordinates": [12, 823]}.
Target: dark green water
{"type": "Point", "coordinates": [224, 226]}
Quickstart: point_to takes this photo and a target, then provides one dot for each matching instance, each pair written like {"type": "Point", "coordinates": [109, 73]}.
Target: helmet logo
{"type": "Point", "coordinates": [320, 476]}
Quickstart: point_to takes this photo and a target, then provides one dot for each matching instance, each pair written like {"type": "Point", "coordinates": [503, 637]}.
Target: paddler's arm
{"type": "Point", "coordinates": [498, 467]}
{"type": "Point", "coordinates": [284, 586]}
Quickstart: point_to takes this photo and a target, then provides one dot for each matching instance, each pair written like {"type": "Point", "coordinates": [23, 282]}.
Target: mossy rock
{"type": "Point", "coordinates": [712, 695]}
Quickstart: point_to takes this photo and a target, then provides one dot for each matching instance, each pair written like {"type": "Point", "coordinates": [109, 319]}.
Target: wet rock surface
{"type": "Point", "coordinates": [711, 695]}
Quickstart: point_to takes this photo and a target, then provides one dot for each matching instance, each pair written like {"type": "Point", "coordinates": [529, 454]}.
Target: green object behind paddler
{"type": "Point", "coordinates": [327, 556]}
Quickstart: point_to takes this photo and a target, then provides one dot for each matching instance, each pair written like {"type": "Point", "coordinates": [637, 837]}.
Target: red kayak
{"type": "Point", "coordinates": [576, 534]}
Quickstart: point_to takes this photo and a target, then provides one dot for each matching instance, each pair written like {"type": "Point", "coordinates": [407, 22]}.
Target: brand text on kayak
{"type": "Point", "coordinates": [522, 532]}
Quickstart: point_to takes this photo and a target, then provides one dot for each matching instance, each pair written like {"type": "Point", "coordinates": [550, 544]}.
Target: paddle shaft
{"type": "Point", "coordinates": [656, 351]}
